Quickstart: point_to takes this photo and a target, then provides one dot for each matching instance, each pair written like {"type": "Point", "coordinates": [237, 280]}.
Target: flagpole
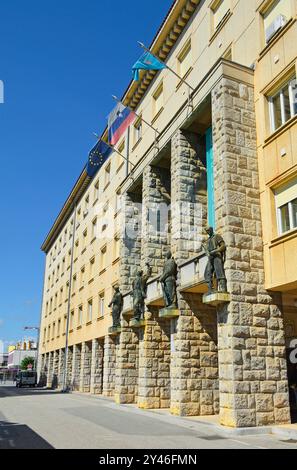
{"type": "Point", "coordinates": [113, 148]}
{"type": "Point", "coordinates": [169, 68]}
{"type": "Point", "coordinates": [137, 115]}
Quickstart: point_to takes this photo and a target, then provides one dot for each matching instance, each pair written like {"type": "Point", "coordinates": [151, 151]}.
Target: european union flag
{"type": "Point", "coordinates": [147, 62]}
{"type": "Point", "coordinates": [97, 156]}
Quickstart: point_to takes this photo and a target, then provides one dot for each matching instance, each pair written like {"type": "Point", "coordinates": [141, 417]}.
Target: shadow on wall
{"type": "Point", "coordinates": [20, 436]}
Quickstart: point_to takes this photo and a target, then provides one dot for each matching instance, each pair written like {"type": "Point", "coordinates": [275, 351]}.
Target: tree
{"type": "Point", "coordinates": [26, 361]}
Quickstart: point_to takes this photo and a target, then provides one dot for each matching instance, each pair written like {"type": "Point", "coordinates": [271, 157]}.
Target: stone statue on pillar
{"type": "Point", "coordinates": [139, 288]}
{"type": "Point", "coordinates": [168, 281]}
{"type": "Point", "coordinates": [117, 307]}
{"type": "Point", "coordinates": [215, 249]}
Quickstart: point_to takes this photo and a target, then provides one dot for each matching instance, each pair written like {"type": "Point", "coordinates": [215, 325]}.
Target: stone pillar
{"type": "Point", "coordinates": [188, 194]}
{"type": "Point", "coordinates": [85, 368]}
{"type": "Point", "coordinates": [61, 367]}
{"type": "Point", "coordinates": [194, 361]}
{"type": "Point", "coordinates": [109, 365]}
{"type": "Point", "coordinates": [50, 370]}
{"type": "Point", "coordinates": [130, 245]}
{"type": "Point", "coordinates": [42, 370]}
{"type": "Point", "coordinates": [76, 364]}
{"type": "Point", "coordinates": [69, 381]}
{"type": "Point", "coordinates": [55, 369]}
{"type": "Point", "coordinates": [194, 373]}
{"type": "Point", "coordinates": [252, 363]}
{"type": "Point", "coordinates": [155, 217]}
{"type": "Point", "coordinates": [154, 364]}
{"type": "Point", "coordinates": [97, 366]}
{"type": "Point", "coordinates": [126, 380]}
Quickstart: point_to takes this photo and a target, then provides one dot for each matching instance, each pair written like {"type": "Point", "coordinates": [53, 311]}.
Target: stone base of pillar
{"type": "Point", "coordinates": [216, 298]}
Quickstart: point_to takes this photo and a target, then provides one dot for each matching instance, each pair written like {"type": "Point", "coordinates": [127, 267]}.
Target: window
{"type": "Point", "coordinates": [49, 332]}
{"type": "Point", "coordinates": [92, 263]}
{"type": "Point", "coordinates": [65, 236]}
{"type": "Point", "coordinates": [220, 9]}
{"type": "Point", "coordinates": [72, 320]}
{"type": "Point", "coordinates": [63, 266]}
{"type": "Point", "coordinates": [138, 130]}
{"type": "Point", "coordinates": [59, 327]}
{"type": "Point", "coordinates": [120, 159]}
{"type": "Point", "coordinates": [61, 296]}
{"type": "Point", "coordinates": [56, 301]}
{"type": "Point", "coordinates": [53, 331]}
{"type": "Point", "coordinates": [101, 304]}
{"type": "Point", "coordinates": [96, 191]}
{"type": "Point", "coordinates": [82, 276]}
{"type": "Point", "coordinates": [286, 206]}
{"type": "Point", "coordinates": [58, 272]}
{"type": "Point", "coordinates": [80, 315]}
{"type": "Point", "coordinates": [107, 175]}
{"type": "Point", "coordinates": [283, 104]}
{"type": "Point", "coordinates": [103, 258]}
{"type": "Point", "coordinates": [105, 217]}
{"type": "Point", "coordinates": [90, 310]}
{"type": "Point", "coordinates": [84, 240]}
{"type": "Point", "coordinates": [46, 308]}
{"type": "Point", "coordinates": [116, 253]}
{"type": "Point", "coordinates": [158, 100]}
{"type": "Point", "coordinates": [94, 228]}
{"type": "Point", "coordinates": [76, 249]}
{"type": "Point", "coordinates": [78, 217]}
{"type": "Point", "coordinates": [86, 209]}
{"type": "Point", "coordinates": [185, 60]}
{"type": "Point", "coordinates": [118, 201]}
{"type": "Point", "coordinates": [74, 283]}
{"type": "Point", "coordinates": [275, 17]}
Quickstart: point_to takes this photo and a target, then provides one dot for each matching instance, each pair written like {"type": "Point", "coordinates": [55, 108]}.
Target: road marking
{"type": "Point", "coordinates": [248, 444]}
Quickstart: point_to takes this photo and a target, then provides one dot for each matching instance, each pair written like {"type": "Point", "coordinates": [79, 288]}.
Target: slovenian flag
{"type": "Point", "coordinates": [118, 121]}
{"type": "Point", "coordinates": [147, 62]}
{"type": "Point", "coordinates": [97, 156]}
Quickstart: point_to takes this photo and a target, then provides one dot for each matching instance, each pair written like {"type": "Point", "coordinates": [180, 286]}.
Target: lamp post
{"type": "Point", "coordinates": [37, 352]}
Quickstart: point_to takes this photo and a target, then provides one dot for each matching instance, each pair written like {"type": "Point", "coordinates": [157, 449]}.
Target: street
{"type": "Point", "coordinates": [44, 419]}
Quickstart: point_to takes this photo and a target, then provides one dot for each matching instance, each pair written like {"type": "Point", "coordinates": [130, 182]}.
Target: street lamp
{"type": "Point", "coordinates": [37, 352]}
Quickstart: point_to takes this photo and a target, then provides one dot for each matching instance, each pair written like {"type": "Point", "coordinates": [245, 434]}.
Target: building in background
{"type": "Point", "coordinates": [225, 155]}
{"type": "Point", "coordinates": [18, 352]}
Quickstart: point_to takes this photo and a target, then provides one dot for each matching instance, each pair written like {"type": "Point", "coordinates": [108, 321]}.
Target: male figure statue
{"type": "Point", "coordinates": [168, 281]}
{"type": "Point", "coordinates": [215, 249]}
{"type": "Point", "coordinates": [117, 307]}
{"type": "Point", "coordinates": [139, 291]}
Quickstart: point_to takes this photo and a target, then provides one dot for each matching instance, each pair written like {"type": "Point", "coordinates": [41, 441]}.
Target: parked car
{"type": "Point", "coordinates": [26, 377]}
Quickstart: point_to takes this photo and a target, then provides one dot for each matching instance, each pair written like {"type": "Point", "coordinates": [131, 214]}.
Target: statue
{"type": "Point", "coordinates": [117, 307]}
{"type": "Point", "coordinates": [139, 292]}
{"type": "Point", "coordinates": [168, 281]}
{"type": "Point", "coordinates": [215, 249]}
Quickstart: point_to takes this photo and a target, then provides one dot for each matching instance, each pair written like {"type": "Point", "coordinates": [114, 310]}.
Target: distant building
{"type": "Point", "coordinates": [18, 352]}
{"type": "Point", "coordinates": [3, 359]}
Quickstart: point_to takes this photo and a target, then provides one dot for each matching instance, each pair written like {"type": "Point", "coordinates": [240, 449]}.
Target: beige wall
{"type": "Point", "coordinates": [277, 155]}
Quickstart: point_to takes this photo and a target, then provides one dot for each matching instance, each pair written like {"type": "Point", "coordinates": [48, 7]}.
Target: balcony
{"type": "Point", "coordinates": [192, 274]}
{"type": "Point", "coordinates": [127, 304]}
{"type": "Point", "coordinates": [154, 295]}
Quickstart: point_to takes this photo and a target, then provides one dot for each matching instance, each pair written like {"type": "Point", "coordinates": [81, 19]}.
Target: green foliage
{"type": "Point", "coordinates": [26, 361]}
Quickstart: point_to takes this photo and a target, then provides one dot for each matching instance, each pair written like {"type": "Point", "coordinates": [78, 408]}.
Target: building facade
{"type": "Point", "coordinates": [224, 154]}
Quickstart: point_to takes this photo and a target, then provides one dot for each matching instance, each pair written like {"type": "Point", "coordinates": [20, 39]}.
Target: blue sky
{"type": "Point", "coordinates": [60, 62]}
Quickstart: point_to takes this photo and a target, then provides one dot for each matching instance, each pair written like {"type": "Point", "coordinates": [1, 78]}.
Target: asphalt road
{"type": "Point", "coordinates": [44, 419]}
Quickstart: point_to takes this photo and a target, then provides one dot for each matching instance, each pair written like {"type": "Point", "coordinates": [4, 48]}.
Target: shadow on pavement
{"type": "Point", "coordinates": [20, 436]}
{"type": "Point", "coordinates": [12, 391]}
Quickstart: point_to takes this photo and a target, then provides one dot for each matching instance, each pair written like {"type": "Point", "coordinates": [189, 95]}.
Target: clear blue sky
{"type": "Point", "coordinates": [60, 61]}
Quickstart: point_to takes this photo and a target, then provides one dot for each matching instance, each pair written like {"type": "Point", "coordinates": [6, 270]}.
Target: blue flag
{"type": "Point", "coordinates": [147, 62]}
{"type": "Point", "coordinates": [97, 156]}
